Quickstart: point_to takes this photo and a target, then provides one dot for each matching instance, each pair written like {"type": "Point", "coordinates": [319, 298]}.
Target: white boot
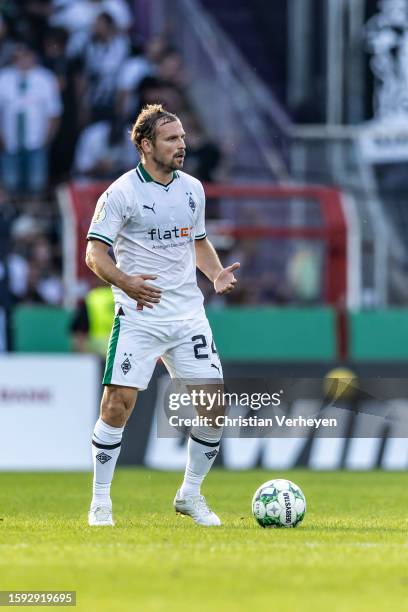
{"type": "Point", "coordinates": [196, 507]}
{"type": "Point", "coordinates": [100, 516]}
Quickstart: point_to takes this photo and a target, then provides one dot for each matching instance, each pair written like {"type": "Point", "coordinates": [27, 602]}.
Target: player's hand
{"type": "Point", "coordinates": [144, 294]}
{"type": "Point", "coordinates": [226, 281]}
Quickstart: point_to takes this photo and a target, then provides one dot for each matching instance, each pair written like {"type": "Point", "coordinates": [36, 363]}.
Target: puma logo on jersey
{"type": "Point", "coordinates": [150, 207]}
{"type": "Point", "coordinates": [216, 367]}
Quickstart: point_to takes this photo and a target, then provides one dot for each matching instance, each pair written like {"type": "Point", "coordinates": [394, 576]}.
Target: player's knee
{"type": "Point", "coordinates": [113, 410]}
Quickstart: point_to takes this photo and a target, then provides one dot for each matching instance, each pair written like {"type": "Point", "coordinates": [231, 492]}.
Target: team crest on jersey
{"type": "Point", "coordinates": [100, 210]}
{"type": "Point", "coordinates": [191, 202]}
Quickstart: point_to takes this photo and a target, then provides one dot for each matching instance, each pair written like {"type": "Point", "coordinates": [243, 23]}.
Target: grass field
{"type": "Point", "coordinates": [350, 553]}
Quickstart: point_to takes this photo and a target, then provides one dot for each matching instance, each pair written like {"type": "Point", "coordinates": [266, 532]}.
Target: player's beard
{"type": "Point", "coordinates": [167, 167]}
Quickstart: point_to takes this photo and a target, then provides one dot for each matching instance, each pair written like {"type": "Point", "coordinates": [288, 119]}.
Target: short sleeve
{"type": "Point", "coordinates": [109, 217]}
{"type": "Point", "coordinates": [200, 232]}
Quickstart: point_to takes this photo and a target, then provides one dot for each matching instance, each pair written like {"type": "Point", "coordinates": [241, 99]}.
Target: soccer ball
{"type": "Point", "coordinates": [279, 503]}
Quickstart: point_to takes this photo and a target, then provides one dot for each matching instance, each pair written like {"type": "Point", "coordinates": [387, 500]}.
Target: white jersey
{"type": "Point", "coordinates": [152, 228]}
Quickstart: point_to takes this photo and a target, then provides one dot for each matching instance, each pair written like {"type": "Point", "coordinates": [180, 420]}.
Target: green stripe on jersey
{"type": "Point", "coordinates": [139, 174]}
{"type": "Point", "coordinates": [110, 358]}
{"type": "Point", "coordinates": [146, 176]}
{"type": "Point", "coordinates": [101, 237]}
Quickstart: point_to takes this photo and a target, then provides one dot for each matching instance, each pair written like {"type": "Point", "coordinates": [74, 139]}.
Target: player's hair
{"type": "Point", "coordinates": [146, 122]}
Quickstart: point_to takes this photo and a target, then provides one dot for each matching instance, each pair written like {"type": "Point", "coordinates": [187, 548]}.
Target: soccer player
{"type": "Point", "coordinates": [154, 218]}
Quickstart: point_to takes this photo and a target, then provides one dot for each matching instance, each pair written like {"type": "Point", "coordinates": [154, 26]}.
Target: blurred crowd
{"type": "Point", "coordinates": [73, 76]}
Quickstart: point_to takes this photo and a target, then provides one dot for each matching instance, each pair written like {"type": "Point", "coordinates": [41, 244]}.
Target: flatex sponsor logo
{"type": "Point", "coordinates": [24, 395]}
{"type": "Point", "coordinates": [157, 233]}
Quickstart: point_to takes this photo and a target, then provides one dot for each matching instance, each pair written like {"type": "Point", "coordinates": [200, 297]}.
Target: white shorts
{"type": "Point", "coordinates": [186, 347]}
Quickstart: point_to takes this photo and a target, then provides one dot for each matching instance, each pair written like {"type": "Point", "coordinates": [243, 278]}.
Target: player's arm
{"type": "Point", "coordinates": [101, 263]}
{"type": "Point", "coordinates": [209, 264]}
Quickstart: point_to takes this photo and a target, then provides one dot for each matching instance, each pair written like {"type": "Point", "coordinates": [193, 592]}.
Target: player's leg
{"type": "Point", "coordinates": [130, 363]}
{"type": "Point", "coordinates": [194, 357]}
{"type": "Point", "coordinates": [116, 407]}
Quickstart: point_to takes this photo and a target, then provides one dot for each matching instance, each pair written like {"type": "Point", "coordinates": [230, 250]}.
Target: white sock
{"type": "Point", "coordinates": [106, 441]}
{"type": "Point", "coordinates": [199, 462]}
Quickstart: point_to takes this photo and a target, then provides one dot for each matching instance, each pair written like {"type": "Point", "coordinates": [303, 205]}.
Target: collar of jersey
{"type": "Point", "coordinates": [146, 178]}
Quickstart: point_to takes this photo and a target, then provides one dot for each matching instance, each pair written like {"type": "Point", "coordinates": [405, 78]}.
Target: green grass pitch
{"type": "Point", "coordinates": [350, 553]}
